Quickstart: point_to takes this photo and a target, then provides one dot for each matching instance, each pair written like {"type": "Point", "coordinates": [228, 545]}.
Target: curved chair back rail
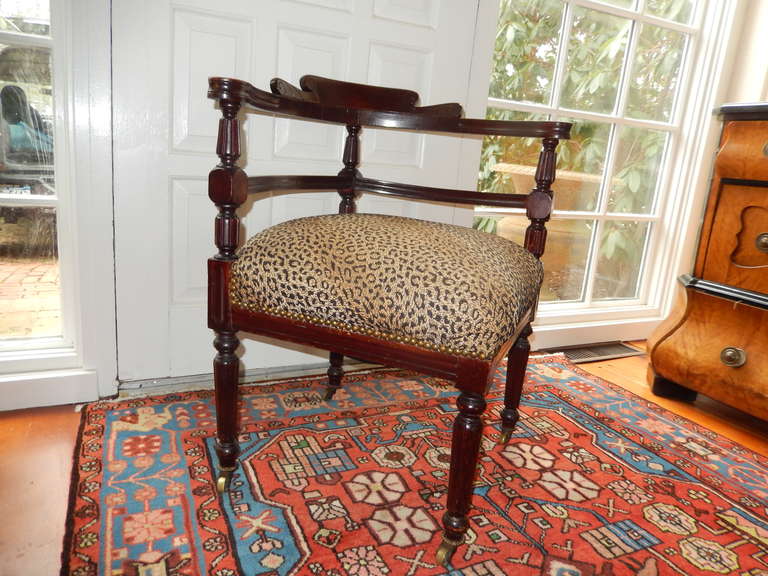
{"type": "Point", "coordinates": [258, 184]}
{"type": "Point", "coordinates": [356, 105]}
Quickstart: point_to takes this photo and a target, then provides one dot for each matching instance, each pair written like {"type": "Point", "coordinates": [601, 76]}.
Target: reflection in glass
{"type": "Point", "coordinates": [30, 301]}
{"type": "Point", "coordinates": [26, 120]}
{"type": "Point", "coordinates": [620, 260]}
{"type": "Point", "coordinates": [565, 258]}
{"type": "Point", "coordinates": [26, 17]}
{"type": "Point", "coordinates": [595, 54]}
{"type": "Point", "coordinates": [525, 50]}
{"type": "Point", "coordinates": [677, 10]}
{"type": "Point", "coordinates": [639, 156]}
{"type": "Point", "coordinates": [655, 73]}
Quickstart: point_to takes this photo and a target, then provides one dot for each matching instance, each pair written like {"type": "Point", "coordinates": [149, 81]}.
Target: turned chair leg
{"type": "Point", "coordinates": [335, 372]}
{"type": "Point", "coordinates": [465, 449]}
{"type": "Point", "coordinates": [517, 364]}
{"type": "Point", "coordinates": [226, 371]}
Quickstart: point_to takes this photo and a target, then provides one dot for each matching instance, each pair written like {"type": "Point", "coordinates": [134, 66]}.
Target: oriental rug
{"type": "Point", "coordinates": [595, 481]}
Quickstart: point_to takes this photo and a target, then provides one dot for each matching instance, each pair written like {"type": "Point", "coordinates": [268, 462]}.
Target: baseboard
{"type": "Point", "coordinates": [578, 334]}
{"type": "Point", "coordinates": [203, 381]}
{"type": "Point", "coordinates": [49, 388]}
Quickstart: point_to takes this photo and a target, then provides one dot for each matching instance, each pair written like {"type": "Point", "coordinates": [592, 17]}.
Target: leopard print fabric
{"type": "Point", "coordinates": [437, 286]}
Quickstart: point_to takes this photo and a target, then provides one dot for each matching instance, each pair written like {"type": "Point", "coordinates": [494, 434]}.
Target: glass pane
{"type": "Point", "coordinates": [595, 55]}
{"type": "Point", "coordinates": [564, 259]}
{"type": "Point", "coordinates": [30, 302]}
{"type": "Point", "coordinates": [526, 50]}
{"type": "Point", "coordinates": [507, 165]}
{"type": "Point", "coordinates": [677, 10]}
{"type": "Point", "coordinates": [655, 73]}
{"type": "Point", "coordinates": [26, 16]}
{"type": "Point", "coordinates": [580, 163]}
{"type": "Point", "coordinates": [26, 122]}
{"type": "Point", "coordinates": [622, 246]}
{"type": "Point", "coordinates": [639, 156]}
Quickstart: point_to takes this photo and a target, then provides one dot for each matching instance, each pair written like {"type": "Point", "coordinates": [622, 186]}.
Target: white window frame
{"type": "Point", "coordinates": [81, 364]}
{"type": "Point", "coordinates": [693, 130]}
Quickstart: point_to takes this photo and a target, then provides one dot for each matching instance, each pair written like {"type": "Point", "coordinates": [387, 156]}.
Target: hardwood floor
{"type": "Point", "coordinates": [630, 373]}
{"type": "Point", "coordinates": [36, 448]}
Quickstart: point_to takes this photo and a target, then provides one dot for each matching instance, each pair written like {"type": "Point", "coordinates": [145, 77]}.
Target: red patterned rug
{"type": "Point", "coordinates": [595, 481]}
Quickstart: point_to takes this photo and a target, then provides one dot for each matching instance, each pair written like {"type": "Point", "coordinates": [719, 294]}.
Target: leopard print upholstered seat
{"type": "Point", "coordinates": [438, 286]}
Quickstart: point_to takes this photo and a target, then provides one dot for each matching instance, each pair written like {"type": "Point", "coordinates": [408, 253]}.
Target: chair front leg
{"type": "Point", "coordinates": [465, 449]}
{"type": "Point", "coordinates": [517, 364]}
{"type": "Point", "coordinates": [226, 371]}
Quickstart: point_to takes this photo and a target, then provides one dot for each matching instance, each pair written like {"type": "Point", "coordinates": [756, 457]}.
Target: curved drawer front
{"type": "Point", "coordinates": [743, 153]}
{"type": "Point", "coordinates": [719, 350]}
{"type": "Point", "coordinates": [737, 253]}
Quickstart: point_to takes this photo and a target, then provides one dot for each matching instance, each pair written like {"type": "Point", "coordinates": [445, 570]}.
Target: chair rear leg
{"type": "Point", "coordinates": [226, 371]}
{"type": "Point", "coordinates": [335, 372]}
{"type": "Point", "coordinates": [465, 449]}
{"type": "Point", "coordinates": [517, 363]}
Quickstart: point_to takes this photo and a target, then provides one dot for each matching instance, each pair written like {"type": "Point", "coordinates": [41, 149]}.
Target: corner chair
{"type": "Point", "coordinates": [441, 299]}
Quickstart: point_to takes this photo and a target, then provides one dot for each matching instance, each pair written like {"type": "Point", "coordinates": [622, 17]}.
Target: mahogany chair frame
{"type": "Point", "coordinates": [357, 106]}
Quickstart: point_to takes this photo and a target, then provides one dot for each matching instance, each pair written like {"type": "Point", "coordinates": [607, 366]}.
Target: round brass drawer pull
{"type": "Point", "coordinates": [733, 357]}
{"type": "Point", "coordinates": [761, 242]}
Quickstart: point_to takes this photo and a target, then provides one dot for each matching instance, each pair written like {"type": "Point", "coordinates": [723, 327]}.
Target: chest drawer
{"type": "Point", "coordinates": [719, 351]}
{"type": "Point", "coordinates": [737, 250]}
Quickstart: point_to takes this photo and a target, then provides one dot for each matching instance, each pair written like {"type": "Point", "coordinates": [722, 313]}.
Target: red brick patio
{"type": "Point", "coordinates": [30, 301]}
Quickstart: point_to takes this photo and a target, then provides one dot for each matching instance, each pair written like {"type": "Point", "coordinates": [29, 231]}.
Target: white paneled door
{"type": "Point", "coordinates": [165, 132]}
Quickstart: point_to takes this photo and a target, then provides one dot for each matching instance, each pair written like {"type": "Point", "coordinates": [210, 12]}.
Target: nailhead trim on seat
{"type": "Point", "coordinates": [348, 330]}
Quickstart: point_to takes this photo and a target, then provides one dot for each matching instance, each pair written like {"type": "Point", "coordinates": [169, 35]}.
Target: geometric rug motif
{"type": "Point", "coordinates": [595, 481]}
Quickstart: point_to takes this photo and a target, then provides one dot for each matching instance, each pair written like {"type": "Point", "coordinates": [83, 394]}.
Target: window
{"type": "Point", "coordinates": [618, 70]}
{"type": "Point", "coordinates": [30, 297]}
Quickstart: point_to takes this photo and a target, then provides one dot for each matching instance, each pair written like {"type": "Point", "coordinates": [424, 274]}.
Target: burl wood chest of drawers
{"type": "Point", "coordinates": [716, 339]}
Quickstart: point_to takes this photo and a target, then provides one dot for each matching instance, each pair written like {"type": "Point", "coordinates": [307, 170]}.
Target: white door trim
{"type": "Point", "coordinates": [85, 367]}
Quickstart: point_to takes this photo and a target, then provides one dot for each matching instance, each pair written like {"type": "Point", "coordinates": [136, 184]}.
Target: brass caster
{"type": "Point", "coordinates": [505, 436]}
{"type": "Point", "coordinates": [329, 392]}
{"type": "Point", "coordinates": [222, 482]}
{"type": "Point", "coordinates": [445, 552]}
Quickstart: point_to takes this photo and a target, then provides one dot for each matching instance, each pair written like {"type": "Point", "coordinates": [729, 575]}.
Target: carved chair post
{"type": "Point", "coordinates": [539, 203]}
{"type": "Point", "coordinates": [539, 209]}
{"type": "Point", "coordinates": [351, 159]}
{"type": "Point", "coordinates": [228, 188]}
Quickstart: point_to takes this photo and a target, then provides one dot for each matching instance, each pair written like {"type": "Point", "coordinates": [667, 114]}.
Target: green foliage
{"type": "Point", "coordinates": [523, 70]}
{"type": "Point", "coordinates": [677, 10]}
{"type": "Point", "coordinates": [525, 50]}
{"type": "Point", "coordinates": [485, 224]}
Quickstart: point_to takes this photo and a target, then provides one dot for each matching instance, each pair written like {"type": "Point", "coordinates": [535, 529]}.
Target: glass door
{"type": "Point", "coordinates": [30, 295]}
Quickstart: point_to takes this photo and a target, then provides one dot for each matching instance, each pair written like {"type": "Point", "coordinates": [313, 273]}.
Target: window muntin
{"type": "Point", "coordinates": [621, 92]}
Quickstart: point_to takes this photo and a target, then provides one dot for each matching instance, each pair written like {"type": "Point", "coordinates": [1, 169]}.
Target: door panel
{"type": "Point", "coordinates": [165, 138]}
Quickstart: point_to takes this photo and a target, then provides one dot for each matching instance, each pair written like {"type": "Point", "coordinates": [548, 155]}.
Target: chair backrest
{"type": "Point", "coordinates": [357, 106]}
